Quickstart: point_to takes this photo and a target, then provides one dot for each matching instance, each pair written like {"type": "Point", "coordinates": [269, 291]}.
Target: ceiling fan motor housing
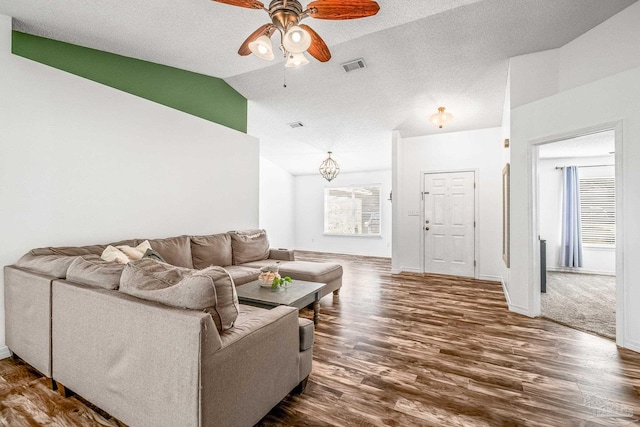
{"type": "Point", "coordinates": [285, 13]}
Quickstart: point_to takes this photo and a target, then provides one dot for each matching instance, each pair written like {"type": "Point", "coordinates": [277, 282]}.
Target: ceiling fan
{"type": "Point", "coordinates": [296, 38]}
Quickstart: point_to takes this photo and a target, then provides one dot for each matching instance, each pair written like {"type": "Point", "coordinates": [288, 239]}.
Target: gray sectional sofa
{"type": "Point", "coordinates": [151, 364]}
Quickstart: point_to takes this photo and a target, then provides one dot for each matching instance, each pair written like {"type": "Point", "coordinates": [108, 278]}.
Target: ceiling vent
{"type": "Point", "coordinates": [356, 64]}
{"type": "Point", "coordinates": [296, 125]}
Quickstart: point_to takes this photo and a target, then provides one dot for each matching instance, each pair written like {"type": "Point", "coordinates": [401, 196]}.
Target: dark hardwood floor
{"type": "Point", "coordinates": [411, 349]}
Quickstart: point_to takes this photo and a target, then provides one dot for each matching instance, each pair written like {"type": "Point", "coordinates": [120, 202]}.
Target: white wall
{"type": "Point", "coordinates": [309, 215]}
{"type": "Point", "coordinates": [592, 105]}
{"type": "Point", "coordinates": [277, 204]}
{"type": "Point", "coordinates": [607, 49]}
{"type": "Point", "coordinates": [614, 99]}
{"type": "Point", "coordinates": [534, 76]}
{"type": "Point", "coordinates": [595, 260]}
{"type": "Point", "coordinates": [480, 149]}
{"type": "Point", "coordinates": [83, 163]}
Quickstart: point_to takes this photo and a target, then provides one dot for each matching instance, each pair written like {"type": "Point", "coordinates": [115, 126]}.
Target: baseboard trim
{"type": "Point", "coordinates": [4, 352]}
{"type": "Point", "coordinates": [519, 310]}
{"type": "Point", "coordinates": [514, 308]}
{"type": "Point", "coordinates": [410, 270]}
{"type": "Point", "coordinates": [506, 292]}
{"type": "Point", "coordinates": [632, 345]}
{"type": "Point", "coordinates": [491, 278]}
{"type": "Point", "coordinates": [396, 271]}
{"type": "Point", "coordinates": [580, 271]}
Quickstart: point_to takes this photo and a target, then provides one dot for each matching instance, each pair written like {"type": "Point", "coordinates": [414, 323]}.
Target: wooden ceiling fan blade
{"type": "Point", "coordinates": [318, 48]}
{"type": "Point", "coordinates": [249, 4]}
{"type": "Point", "coordinates": [264, 30]}
{"type": "Point", "coordinates": [342, 9]}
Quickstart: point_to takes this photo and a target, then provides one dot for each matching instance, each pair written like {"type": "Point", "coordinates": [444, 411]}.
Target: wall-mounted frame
{"type": "Point", "coordinates": [506, 252]}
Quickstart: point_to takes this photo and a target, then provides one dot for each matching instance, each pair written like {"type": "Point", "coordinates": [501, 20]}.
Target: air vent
{"type": "Point", "coordinates": [354, 65]}
{"type": "Point", "coordinates": [296, 125]}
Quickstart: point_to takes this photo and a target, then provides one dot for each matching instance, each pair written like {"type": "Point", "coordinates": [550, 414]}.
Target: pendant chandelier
{"type": "Point", "coordinates": [329, 169]}
{"type": "Point", "coordinates": [440, 118]}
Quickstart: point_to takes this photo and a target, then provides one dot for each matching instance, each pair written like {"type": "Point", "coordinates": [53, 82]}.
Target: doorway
{"type": "Point", "coordinates": [449, 223]}
{"type": "Point", "coordinates": [577, 228]}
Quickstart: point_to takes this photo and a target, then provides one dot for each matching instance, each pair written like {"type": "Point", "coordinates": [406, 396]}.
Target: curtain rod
{"type": "Point", "coordinates": [588, 166]}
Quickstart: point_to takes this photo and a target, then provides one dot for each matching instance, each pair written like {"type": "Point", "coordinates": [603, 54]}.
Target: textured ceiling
{"type": "Point", "coordinates": [594, 145]}
{"type": "Point", "coordinates": [420, 54]}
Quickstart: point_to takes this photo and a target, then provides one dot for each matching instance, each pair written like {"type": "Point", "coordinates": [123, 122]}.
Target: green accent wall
{"type": "Point", "coordinates": [207, 97]}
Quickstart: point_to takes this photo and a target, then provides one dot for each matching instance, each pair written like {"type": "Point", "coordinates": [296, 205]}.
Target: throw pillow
{"type": "Point", "coordinates": [211, 289]}
{"type": "Point", "coordinates": [150, 253]}
{"type": "Point", "coordinates": [249, 246]}
{"type": "Point", "coordinates": [113, 254]}
{"type": "Point", "coordinates": [137, 252]}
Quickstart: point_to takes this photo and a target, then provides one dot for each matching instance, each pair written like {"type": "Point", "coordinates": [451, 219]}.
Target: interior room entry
{"type": "Point", "coordinates": [449, 223]}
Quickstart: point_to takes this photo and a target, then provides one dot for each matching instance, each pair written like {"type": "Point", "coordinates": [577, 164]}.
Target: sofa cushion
{"type": "Point", "coordinates": [265, 263]}
{"type": "Point", "coordinates": [322, 272]}
{"type": "Point", "coordinates": [211, 289]}
{"type": "Point", "coordinates": [242, 275]}
{"type": "Point", "coordinates": [49, 265]}
{"type": "Point", "coordinates": [69, 250]}
{"type": "Point", "coordinates": [175, 250]}
{"type": "Point", "coordinates": [92, 270]}
{"type": "Point", "coordinates": [249, 245]}
{"type": "Point", "coordinates": [211, 250]}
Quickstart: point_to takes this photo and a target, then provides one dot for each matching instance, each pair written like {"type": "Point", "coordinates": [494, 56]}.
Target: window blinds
{"type": "Point", "coordinates": [352, 211]}
{"type": "Point", "coordinates": [598, 210]}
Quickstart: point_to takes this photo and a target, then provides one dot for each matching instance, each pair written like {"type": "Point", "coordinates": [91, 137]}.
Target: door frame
{"type": "Point", "coordinates": [534, 216]}
{"type": "Point", "coordinates": [476, 230]}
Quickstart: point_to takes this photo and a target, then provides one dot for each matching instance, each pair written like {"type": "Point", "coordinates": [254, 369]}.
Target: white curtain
{"type": "Point", "coordinates": [571, 227]}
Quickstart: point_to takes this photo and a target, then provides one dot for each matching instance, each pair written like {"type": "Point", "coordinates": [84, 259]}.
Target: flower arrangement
{"type": "Point", "coordinates": [269, 277]}
{"type": "Point", "coordinates": [280, 282]}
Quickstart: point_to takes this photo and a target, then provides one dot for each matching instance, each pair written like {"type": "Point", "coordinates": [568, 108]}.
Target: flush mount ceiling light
{"type": "Point", "coordinates": [440, 118]}
{"type": "Point", "coordinates": [296, 38]}
{"type": "Point", "coordinates": [329, 169]}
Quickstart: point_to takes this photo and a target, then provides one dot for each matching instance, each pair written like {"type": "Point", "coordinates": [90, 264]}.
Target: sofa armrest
{"type": "Point", "coordinates": [257, 366]}
{"type": "Point", "coordinates": [305, 327]}
{"type": "Point", "coordinates": [281, 254]}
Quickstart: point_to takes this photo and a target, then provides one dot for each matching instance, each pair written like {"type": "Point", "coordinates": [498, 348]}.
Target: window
{"type": "Point", "coordinates": [598, 211]}
{"type": "Point", "coordinates": [352, 211]}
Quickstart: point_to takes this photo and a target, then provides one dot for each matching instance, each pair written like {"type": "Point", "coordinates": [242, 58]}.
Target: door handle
{"type": "Point", "coordinates": [426, 228]}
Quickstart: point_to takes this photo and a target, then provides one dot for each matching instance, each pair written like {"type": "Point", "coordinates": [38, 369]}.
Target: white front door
{"type": "Point", "coordinates": [449, 227]}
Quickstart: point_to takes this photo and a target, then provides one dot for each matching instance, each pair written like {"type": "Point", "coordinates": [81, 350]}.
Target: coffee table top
{"type": "Point", "coordinates": [296, 291]}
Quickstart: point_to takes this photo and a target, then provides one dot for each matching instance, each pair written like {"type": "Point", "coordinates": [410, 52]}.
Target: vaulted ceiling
{"type": "Point", "coordinates": [420, 55]}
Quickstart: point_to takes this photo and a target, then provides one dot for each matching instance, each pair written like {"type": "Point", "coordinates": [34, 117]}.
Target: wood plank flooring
{"type": "Point", "coordinates": [416, 350]}
{"type": "Point", "coordinates": [410, 349]}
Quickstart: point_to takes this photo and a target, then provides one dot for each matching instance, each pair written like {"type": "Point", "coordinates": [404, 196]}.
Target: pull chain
{"type": "Point", "coordinates": [284, 76]}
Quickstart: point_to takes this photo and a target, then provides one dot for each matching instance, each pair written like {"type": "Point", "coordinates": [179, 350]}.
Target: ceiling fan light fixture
{"type": "Point", "coordinates": [329, 169]}
{"type": "Point", "coordinates": [296, 40]}
{"type": "Point", "coordinates": [440, 118]}
{"type": "Point", "coordinates": [262, 48]}
{"type": "Point", "coordinates": [296, 60]}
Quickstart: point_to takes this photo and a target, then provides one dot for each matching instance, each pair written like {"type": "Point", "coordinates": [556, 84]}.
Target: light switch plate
{"type": "Point", "coordinates": [414, 212]}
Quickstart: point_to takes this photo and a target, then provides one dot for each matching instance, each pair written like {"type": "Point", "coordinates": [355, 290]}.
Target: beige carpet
{"type": "Point", "coordinates": [581, 301]}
